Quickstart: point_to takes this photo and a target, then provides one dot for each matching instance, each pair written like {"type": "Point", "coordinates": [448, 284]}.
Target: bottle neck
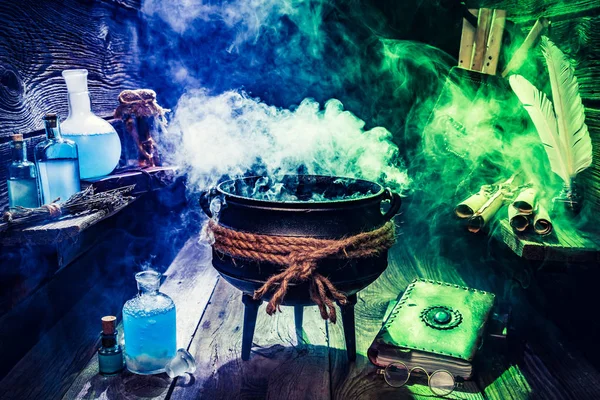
{"type": "Point", "coordinates": [53, 132]}
{"type": "Point", "coordinates": [79, 104]}
{"type": "Point", "coordinates": [19, 151]}
{"type": "Point", "coordinates": [147, 292]}
{"type": "Point", "coordinates": [110, 340]}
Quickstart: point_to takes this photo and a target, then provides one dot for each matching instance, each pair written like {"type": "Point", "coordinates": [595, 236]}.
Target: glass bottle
{"type": "Point", "coordinates": [149, 326]}
{"type": "Point", "coordinates": [98, 142]}
{"type": "Point", "coordinates": [110, 355]}
{"type": "Point", "coordinates": [57, 165]}
{"type": "Point", "coordinates": [22, 181]}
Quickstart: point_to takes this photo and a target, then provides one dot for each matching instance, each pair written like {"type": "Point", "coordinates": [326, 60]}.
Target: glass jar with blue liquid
{"type": "Point", "coordinates": [98, 142]}
{"type": "Point", "coordinates": [149, 327]}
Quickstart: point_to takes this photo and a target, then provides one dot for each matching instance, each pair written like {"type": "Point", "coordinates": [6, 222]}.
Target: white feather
{"type": "Point", "coordinates": [562, 128]}
{"type": "Point", "coordinates": [542, 114]}
{"type": "Point", "coordinates": [570, 113]}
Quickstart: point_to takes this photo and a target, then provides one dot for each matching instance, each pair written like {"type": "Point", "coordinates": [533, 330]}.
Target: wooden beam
{"type": "Point", "coordinates": [494, 44]}
{"type": "Point", "coordinates": [56, 231]}
{"type": "Point", "coordinates": [484, 22]}
{"type": "Point", "coordinates": [565, 245]}
{"type": "Point", "coordinates": [467, 41]}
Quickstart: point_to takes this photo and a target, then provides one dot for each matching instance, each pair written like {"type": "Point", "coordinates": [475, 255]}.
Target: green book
{"type": "Point", "coordinates": [434, 325]}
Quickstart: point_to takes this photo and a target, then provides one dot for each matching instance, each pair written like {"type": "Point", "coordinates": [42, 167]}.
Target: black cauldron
{"type": "Point", "coordinates": [344, 207]}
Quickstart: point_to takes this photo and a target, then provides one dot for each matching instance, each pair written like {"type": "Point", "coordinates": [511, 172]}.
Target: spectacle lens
{"type": "Point", "coordinates": [396, 374]}
{"type": "Point", "coordinates": [441, 383]}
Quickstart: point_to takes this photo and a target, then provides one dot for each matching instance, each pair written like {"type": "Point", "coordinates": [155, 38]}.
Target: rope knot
{"type": "Point", "coordinates": [53, 209]}
{"type": "Point", "coordinates": [300, 256]}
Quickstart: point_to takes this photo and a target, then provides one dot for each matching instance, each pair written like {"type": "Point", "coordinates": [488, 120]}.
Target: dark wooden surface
{"type": "Point", "coordinates": [189, 282]}
{"type": "Point", "coordinates": [566, 244]}
{"type": "Point", "coordinates": [69, 227]}
{"type": "Point", "coordinates": [309, 363]}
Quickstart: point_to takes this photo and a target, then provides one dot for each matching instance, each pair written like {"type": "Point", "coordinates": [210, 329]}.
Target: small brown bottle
{"type": "Point", "coordinates": [110, 354]}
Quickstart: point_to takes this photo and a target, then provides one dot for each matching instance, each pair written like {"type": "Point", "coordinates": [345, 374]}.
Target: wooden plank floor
{"type": "Point", "coordinates": [310, 363]}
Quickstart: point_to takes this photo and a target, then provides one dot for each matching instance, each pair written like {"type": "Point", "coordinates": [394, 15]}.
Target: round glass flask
{"type": "Point", "coordinates": [97, 141]}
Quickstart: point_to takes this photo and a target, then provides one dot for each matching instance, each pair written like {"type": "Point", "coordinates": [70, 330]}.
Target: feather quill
{"type": "Point", "coordinates": [561, 127]}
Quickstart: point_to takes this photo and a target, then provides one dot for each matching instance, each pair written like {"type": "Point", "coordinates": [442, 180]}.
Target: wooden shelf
{"type": "Point", "coordinates": [565, 244]}
{"type": "Point", "coordinates": [145, 180]}
{"type": "Point", "coordinates": [55, 232]}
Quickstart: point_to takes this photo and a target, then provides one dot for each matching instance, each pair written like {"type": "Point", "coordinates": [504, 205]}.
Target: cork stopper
{"type": "Point", "coordinates": [109, 323]}
{"type": "Point", "coordinates": [17, 137]}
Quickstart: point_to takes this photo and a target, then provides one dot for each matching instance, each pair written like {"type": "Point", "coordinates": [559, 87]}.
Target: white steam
{"type": "Point", "coordinates": [233, 134]}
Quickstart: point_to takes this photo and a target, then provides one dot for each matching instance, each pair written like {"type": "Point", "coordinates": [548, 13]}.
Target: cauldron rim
{"type": "Point", "coordinates": [270, 204]}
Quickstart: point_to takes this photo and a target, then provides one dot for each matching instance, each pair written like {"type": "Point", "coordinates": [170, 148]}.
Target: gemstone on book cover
{"type": "Point", "coordinates": [441, 317]}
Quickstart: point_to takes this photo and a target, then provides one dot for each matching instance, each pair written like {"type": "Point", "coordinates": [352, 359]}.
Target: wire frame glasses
{"type": "Point", "coordinates": [440, 382]}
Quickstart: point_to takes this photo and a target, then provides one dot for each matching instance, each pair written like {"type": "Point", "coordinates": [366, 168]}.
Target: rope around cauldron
{"type": "Point", "coordinates": [301, 256]}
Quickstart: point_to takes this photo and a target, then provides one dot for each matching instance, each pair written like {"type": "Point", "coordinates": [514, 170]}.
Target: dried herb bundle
{"type": "Point", "coordinates": [82, 202]}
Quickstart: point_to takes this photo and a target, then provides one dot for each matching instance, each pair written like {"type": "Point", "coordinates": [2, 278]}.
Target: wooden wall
{"type": "Point", "coordinates": [39, 39]}
{"type": "Point", "coordinates": [575, 28]}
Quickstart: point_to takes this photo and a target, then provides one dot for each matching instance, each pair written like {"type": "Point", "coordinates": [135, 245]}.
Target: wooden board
{"type": "Point", "coordinates": [280, 367]}
{"type": "Point", "coordinates": [565, 245]}
{"type": "Point", "coordinates": [190, 281]}
{"type": "Point", "coordinates": [145, 180]}
{"type": "Point", "coordinates": [467, 40]}
{"type": "Point", "coordinates": [56, 231]}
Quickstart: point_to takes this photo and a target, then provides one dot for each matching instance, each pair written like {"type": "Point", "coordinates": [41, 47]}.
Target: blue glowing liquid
{"type": "Point", "coordinates": [58, 178]}
{"type": "Point", "coordinates": [99, 153]}
{"type": "Point", "coordinates": [150, 333]}
{"type": "Point", "coordinates": [23, 192]}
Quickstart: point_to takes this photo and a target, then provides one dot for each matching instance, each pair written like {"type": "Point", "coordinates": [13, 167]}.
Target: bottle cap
{"type": "Point", "coordinates": [76, 80]}
{"type": "Point", "coordinates": [51, 120]}
{"type": "Point", "coordinates": [109, 323]}
{"type": "Point", "coordinates": [17, 137]}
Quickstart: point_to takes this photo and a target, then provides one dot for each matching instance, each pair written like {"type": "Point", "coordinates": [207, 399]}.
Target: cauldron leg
{"type": "Point", "coordinates": [349, 328]}
{"type": "Point", "coordinates": [250, 314]}
{"type": "Point", "coordinates": [298, 317]}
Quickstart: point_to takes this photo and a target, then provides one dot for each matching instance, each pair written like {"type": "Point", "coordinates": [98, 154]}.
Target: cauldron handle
{"type": "Point", "coordinates": [395, 203]}
{"type": "Point", "coordinates": [206, 196]}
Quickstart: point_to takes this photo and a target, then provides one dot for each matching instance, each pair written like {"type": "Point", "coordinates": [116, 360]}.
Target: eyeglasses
{"type": "Point", "coordinates": [440, 382]}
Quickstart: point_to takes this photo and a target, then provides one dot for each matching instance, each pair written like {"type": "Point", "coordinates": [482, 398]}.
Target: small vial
{"type": "Point", "coordinates": [110, 354]}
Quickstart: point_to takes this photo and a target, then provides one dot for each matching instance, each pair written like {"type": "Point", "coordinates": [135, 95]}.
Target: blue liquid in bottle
{"type": "Point", "coordinates": [57, 164]}
{"type": "Point", "coordinates": [149, 326]}
{"type": "Point", "coordinates": [99, 153]}
{"type": "Point", "coordinates": [59, 178]}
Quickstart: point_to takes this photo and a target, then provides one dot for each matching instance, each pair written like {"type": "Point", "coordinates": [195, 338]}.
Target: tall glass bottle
{"type": "Point", "coordinates": [57, 164]}
{"type": "Point", "coordinates": [149, 326]}
{"type": "Point", "coordinates": [98, 142]}
{"type": "Point", "coordinates": [22, 181]}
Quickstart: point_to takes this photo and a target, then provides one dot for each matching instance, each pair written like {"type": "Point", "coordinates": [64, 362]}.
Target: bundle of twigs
{"type": "Point", "coordinates": [82, 202]}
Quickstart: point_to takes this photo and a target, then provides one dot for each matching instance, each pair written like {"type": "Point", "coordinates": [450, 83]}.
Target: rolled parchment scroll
{"type": "Point", "coordinates": [486, 212]}
{"type": "Point", "coordinates": [542, 224]}
{"type": "Point", "coordinates": [471, 205]}
{"type": "Point", "coordinates": [526, 201]}
{"type": "Point", "coordinates": [518, 220]}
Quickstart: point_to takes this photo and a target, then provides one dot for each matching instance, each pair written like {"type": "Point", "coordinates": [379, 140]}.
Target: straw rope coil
{"type": "Point", "coordinates": [301, 256]}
